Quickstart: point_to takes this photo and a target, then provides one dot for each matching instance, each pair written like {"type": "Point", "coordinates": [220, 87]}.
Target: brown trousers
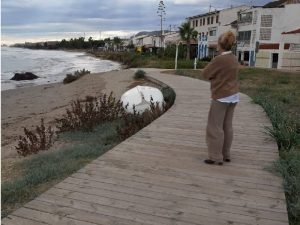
{"type": "Point", "coordinates": [219, 131]}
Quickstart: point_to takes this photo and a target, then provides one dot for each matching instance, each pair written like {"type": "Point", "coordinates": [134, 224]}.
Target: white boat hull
{"type": "Point", "coordinates": [140, 97]}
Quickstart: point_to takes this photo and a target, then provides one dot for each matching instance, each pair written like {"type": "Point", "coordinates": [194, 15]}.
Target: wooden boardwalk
{"type": "Point", "coordinates": [158, 176]}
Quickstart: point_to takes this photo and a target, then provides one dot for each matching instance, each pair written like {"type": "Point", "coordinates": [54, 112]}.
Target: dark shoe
{"type": "Point", "coordinates": [209, 161]}
{"type": "Point", "coordinates": [226, 160]}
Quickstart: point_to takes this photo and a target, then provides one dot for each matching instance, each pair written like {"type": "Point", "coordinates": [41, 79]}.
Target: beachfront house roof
{"type": "Point", "coordinates": [297, 31]}
{"type": "Point", "coordinates": [204, 14]}
{"type": "Point", "coordinates": [280, 3]}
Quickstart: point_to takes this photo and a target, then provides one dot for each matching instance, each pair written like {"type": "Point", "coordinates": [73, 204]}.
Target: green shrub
{"type": "Point", "coordinates": [284, 129]}
{"type": "Point", "coordinates": [85, 116]}
{"type": "Point", "coordinates": [283, 79]}
{"type": "Point", "coordinates": [206, 59]}
{"type": "Point", "coordinates": [77, 74]}
{"type": "Point", "coordinates": [139, 74]}
{"type": "Point", "coordinates": [169, 95]}
{"type": "Point", "coordinates": [34, 141]}
{"type": "Point", "coordinates": [133, 122]}
{"type": "Point", "coordinates": [289, 167]}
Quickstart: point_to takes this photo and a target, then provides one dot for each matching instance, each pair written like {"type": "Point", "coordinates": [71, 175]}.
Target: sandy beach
{"type": "Point", "coordinates": [25, 107]}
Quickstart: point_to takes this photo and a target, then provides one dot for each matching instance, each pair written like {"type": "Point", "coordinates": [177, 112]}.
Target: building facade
{"type": "Point", "coordinates": [268, 36]}
{"type": "Point", "coordinates": [211, 25]}
{"type": "Point", "coordinates": [207, 26]}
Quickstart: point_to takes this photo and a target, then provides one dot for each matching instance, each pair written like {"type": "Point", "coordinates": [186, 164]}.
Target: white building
{"type": "Point", "coordinates": [147, 39]}
{"type": "Point", "coordinates": [268, 36]}
{"type": "Point", "coordinates": [207, 26]}
{"type": "Point", "coordinates": [211, 25]}
{"type": "Point", "coordinates": [170, 38]}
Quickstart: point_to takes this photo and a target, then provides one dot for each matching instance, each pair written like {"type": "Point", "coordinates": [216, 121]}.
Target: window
{"type": "Point", "coordinates": [200, 22]}
{"type": "Point", "coordinates": [196, 23]}
{"type": "Point", "coordinates": [203, 21]}
{"type": "Point", "coordinates": [244, 37]}
{"type": "Point", "coordinates": [253, 36]}
{"type": "Point", "coordinates": [217, 19]}
{"type": "Point", "coordinates": [266, 21]}
{"type": "Point", "coordinates": [245, 17]}
{"type": "Point", "coordinates": [255, 17]}
{"type": "Point", "coordinates": [212, 20]}
{"type": "Point", "coordinates": [208, 20]}
{"type": "Point", "coordinates": [212, 31]}
{"type": "Point", "coordinates": [265, 34]}
{"type": "Point", "coordinates": [193, 23]}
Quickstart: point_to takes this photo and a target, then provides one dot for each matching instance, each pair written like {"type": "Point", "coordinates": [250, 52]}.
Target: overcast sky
{"type": "Point", "coordinates": [41, 20]}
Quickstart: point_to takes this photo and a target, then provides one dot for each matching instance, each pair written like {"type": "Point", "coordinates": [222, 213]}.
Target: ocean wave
{"type": "Point", "coordinates": [50, 65]}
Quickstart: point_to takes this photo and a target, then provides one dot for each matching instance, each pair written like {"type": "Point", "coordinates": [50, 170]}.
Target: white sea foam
{"type": "Point", "coordinates": [50, 65]}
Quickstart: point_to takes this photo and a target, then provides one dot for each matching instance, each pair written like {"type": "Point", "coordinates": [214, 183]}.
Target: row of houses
{"type": "Point", "coordinates": [267, 36]}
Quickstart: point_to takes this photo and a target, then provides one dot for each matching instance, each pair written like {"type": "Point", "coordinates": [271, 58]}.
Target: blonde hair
{"type": "Point", "coordinates": [226, 40]}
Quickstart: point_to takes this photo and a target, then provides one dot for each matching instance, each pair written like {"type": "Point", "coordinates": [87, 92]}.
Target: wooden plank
{"type": "Point", "coordinates": [59, 217]}
{"type": "Point", "coordinates": [197, 168]}
{"type": "Point", "coordinates": [162, 193]}
{"type": "Point", "coordinates": [153, 182]}
{"type": "Point", "coordinates": [196, 207]}
{"type": "Point", "coordinates": [178, 177]}
{"type": "Point", "coordinates": [88, 211]}
{"type": "Point", "coordinates": [15, 220]}
{"type": "Point", "coordinates": [114, 205]}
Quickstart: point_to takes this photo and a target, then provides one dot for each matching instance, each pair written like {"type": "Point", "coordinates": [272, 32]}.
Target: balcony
{"type": "Point", "coordinates": [244, 43]}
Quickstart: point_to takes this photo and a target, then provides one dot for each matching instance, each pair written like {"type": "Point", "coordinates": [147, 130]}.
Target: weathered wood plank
{"type": "Point", "coordinates": [15, 220]}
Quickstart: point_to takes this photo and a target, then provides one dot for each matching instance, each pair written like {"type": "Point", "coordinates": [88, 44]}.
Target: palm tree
{"type": "Point", "coordinates": [187, 33]}
{"type": "Point", "coordinates": [90, 41]}
{"type": "Point", "coordinates": [117, 42]}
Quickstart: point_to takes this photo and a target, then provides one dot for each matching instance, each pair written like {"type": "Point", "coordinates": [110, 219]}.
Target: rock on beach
{"type": "Point", "coordinates": [24, 76]}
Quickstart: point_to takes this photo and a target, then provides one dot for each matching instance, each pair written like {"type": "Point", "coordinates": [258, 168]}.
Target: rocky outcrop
{"type": "Point", "coordinates": [24, 76]}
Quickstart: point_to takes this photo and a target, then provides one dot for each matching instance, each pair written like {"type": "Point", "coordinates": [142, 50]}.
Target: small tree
{"type": "Point", "coordinates": [187, 34]}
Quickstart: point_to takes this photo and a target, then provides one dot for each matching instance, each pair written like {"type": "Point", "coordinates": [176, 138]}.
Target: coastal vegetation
{"type": "Point", "coordinates": [147, 60]}
{"type": "Point", "coordinates": [34, 141]}
{"type": "Point", "coordinates": [77, 44]}
{"type": "Point", "coordinates": [86, 115]}
{"type": "Point", "coordinates": [278, 93]}
{"type": "Point", "coordinates": [77, 75]}
{"type": "Point", "coordinates": [88, 129]}
{"type": "Point", "coordinates": [139, 74]}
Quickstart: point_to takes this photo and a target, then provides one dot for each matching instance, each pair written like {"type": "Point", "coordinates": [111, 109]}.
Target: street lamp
{"type": "Point", "coordinates": [176, 55]}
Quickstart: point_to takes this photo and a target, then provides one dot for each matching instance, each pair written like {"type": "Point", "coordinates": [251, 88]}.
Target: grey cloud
{"type": "Point", "coordinates": [42, 17]}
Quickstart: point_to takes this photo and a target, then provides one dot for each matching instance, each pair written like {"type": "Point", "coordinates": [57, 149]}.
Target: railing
{"type": "Point", "coordinates": [244, 43]}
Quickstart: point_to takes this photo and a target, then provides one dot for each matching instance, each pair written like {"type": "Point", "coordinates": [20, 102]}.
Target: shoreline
{"type": "Point", "coordinates": [52, 79]}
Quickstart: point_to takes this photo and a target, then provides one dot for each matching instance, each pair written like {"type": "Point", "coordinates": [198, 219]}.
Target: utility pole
{"type": "Point", "coordinates": [161, 11]}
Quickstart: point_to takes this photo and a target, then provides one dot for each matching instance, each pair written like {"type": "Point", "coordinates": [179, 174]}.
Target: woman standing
{"type": "Point", "coordinates": [222, 73]}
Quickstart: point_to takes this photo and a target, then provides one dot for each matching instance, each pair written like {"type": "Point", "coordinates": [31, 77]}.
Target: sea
{"type": "Point", "coordinates": [50, 65]}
